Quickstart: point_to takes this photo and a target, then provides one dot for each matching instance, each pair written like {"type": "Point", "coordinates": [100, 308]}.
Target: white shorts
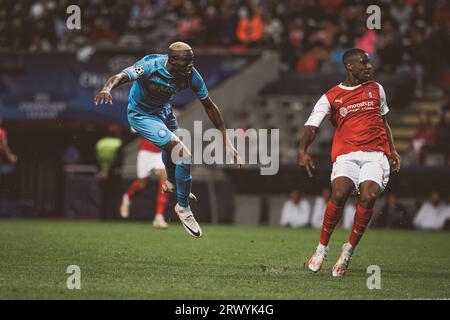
{"type": "Point", "coordinates": [148, 161]}
{"type": "Point", "coordinates": [361, 166]}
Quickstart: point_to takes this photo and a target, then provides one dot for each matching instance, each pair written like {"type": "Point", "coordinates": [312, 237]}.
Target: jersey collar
{"type": "Point", "coordinates": [348, 88]}
{"type": "Point", "coordinates": [163, 69]}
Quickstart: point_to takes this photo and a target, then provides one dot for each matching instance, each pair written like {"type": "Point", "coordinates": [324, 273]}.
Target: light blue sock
{"type": "Point", "coordinates": [184, 183]}
{"type": "Point", "coordinates": [170, 167]}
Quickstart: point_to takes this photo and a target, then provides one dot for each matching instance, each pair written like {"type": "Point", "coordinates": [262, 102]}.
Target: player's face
{"type": "Point", "coordinates": [182, 64]}
{"type": "Point", "coordinates": [362, 68]}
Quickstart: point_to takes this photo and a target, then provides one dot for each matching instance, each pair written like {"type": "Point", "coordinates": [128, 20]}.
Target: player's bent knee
{"type": "Point", "coordinates": [367, 199]}
{"type": "Point", "coordinates": [339, 197]}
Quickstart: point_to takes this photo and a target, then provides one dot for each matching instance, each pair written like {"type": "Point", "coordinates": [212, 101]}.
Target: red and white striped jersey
{"type": "Point", "coordinates": [356, 112]}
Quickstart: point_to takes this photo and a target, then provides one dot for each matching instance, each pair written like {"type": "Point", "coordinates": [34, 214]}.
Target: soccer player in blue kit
{"type": "Point", "coordinates": [157, 77]}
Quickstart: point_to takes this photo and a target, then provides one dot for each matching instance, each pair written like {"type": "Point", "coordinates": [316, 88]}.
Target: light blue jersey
{"type": "Point", "coordinates": [149, 109]}
{"type": "Point", "coordinates": [154, 87]}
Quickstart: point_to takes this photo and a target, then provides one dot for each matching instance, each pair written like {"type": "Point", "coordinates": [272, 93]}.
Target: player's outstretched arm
{"type": "Point", "coordinates": [304, 159]}
{"type": "Point", "coordinates": [104, 96]}
{"type": "Point", "coordinates": [4, 149]}
{"type": "Point", "coordinates": [216, 117]}
{"type": "Point", "coordinates": [396, 160]}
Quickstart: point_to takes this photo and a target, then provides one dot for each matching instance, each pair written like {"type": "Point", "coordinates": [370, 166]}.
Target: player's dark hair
{"type": "Point", "coordinates": [350, 53]}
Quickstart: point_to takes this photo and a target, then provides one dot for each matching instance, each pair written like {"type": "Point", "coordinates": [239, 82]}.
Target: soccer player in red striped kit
{"type": "Point", "coordinates": [361, 148]}
{"type": "Point", "coordinates": [148, 160]}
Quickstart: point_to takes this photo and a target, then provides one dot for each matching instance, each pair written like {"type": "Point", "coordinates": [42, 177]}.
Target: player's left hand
{"type": "Point", "coordinates": [232, 153]}
{"type": "Point", "coordinates": [396, 161]}
{"type": "Point", "coordinates": [103, 97]}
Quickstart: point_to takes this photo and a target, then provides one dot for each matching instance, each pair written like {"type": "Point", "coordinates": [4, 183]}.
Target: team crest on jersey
{"type": "Point", "coordinates": [343, 111]}
{"type": "Point", "coordinates": [369, 93]}
{"type": "Point", "coordinates": [162, 133]}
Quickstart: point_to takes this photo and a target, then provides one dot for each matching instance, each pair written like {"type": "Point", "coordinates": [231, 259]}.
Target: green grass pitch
{"type": "Point", "coordinates": [132, 260]}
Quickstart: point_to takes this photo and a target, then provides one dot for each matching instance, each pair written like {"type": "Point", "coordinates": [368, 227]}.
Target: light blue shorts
{"type": "Point", "coordinates": [157, 126]}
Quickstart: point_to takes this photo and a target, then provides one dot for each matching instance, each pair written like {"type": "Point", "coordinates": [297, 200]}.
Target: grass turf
{"type": "Point", "coordinates": [134, 261]}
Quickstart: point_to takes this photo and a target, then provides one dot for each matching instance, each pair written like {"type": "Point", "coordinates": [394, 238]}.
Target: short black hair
{"type": "Point", "coordinates": [351, 53]}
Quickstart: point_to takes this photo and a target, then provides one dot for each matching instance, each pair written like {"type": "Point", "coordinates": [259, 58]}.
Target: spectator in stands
{"type": "Point", "coordinates": [311, 61]}
{"type": "Point", "coordinates": [44, 36]}
{"type": "Point", "coordinates": [273, 31]}
{"type": "Point", "coordinates": [250, 27]}
{"type": "Point", "coordinates": [402, 12]}
{"type": "Point", "coordinates": [109, 156]}
{"type": "Point", "coordinates": [446, 214]}
{"type": "Point", "coordinates": [431, 214]}
{"type": "Point", "coordinates": [5, 151]}
{"type": "Point", "coordinates": [442, 137]}
{"type": "Point", "coordinates": [296, 211]}
{"type": "Point", "coordinates": [393, 215]}
{"type": "Point", "coordinates": [366, 40]}
{"type": "Point", "coordinates": [141, 14]}
{"type": "Point", "coordinates": [319, 208]}
{"type": "Point", "coordinates": [190, 25]}
{"type": "Point", "coordinates": [102, 33]}
{"type": "Point", "coordinates": [389, 49]}
{"type": "Point", "coordinates": [423, 138]}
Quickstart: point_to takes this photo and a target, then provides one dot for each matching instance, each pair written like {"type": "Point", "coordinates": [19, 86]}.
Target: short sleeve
{"type": "Point", "coordinates": [383, 103]}
{"type": "Point", "coordinates": [139, 70]}
{"type": "Point", "coordinates": [198, 85]}
{"type": "Point", "coordinates": [320, 111]}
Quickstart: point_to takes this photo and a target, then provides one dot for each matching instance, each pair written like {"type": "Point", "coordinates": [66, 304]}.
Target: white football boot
{"type": "Point", "coordinates": [159, 222]}
{"type": "Point", "coordinates": [318, 258]}
{"type": "Point", "coordinates": [187, 219]}
{"type": "Point", "coordinates": [169, 187]}
{"type": "Point", "coordinates": [125, 206]}
{"type": "Point", "coordinates": [341, 267]}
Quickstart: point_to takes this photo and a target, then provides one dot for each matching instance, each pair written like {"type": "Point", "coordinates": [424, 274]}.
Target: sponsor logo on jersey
{"type": "Point", "coordinates": [343, 111]}
{"type": "Point", "coordinates": [363, 104]}
{"type": "Point", "coordinates": [338, 100]}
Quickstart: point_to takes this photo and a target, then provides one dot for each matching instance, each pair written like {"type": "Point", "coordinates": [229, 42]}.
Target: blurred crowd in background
{"type": "Point", "coordinates": [430, 143]}
{"type": "Point", "coordinates": [431, 214]}
{"type": "Point", "coordinates": [310, 35]}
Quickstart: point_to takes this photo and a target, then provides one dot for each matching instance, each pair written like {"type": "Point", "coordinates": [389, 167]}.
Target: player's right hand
{"type": "Point", "coordinates": [103, 97]}
{"type": "Point", "coordinates": [304, 160]}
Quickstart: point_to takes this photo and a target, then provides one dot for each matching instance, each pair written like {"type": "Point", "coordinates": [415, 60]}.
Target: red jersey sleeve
{"type": "Point", "coordinates": [147, 145]}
